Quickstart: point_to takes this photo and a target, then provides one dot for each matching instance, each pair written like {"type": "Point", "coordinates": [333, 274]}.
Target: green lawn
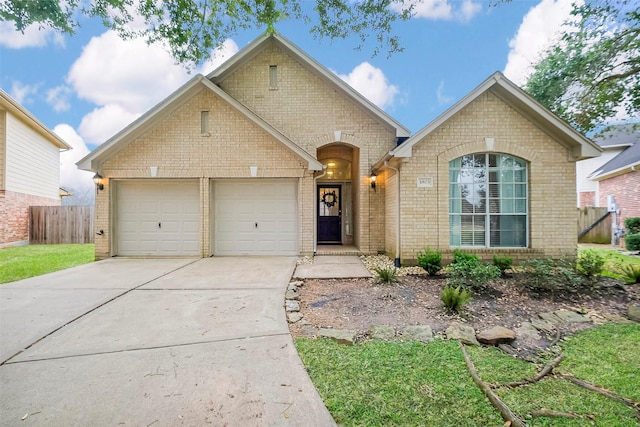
{"type": "Point", "coordinates": [385, 383]}
{"type": "Point", "coordinates": [613, 259]}
{"type": "Point", "coordinates": [22, 262]}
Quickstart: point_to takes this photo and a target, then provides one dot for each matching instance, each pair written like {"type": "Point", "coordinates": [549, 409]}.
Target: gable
{"type": "Point", "coordinates": [178, 147]}
{"type": "Point", "coordinates": [577, 145]}
{"type": "Point", "coordinates": [304, 88]}
{"type": "Point", "coordinates": [164, 111]}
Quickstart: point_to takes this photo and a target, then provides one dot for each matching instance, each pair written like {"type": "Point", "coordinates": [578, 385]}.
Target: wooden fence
{"type": "Point", "coordinates": [60, 224]}
{"type": "Point", "coordinates": [601, 233]}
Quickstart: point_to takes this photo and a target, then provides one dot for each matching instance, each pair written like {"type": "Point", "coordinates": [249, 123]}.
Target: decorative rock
{"type": "Point", "coordinates": [294, 317]}
{"type": "Point", "coordinates": [463, 333]}
{"type": "Point", "coordinates": [543, 325]}
{"type": "Point", "coordinates": [296, 283]}
{"type": "Point", "coordinates": [496, 335]}
{"type": "Point", "coordinates": [304, 322]}
{"type": "Point", "coordinates": [615, 318]}
{"type": "Point", "coordinates": [422, 333]}
{"type": "Point", "coordinates": [382, 332]}
{"type": "Point", "coordinates": [527, 331]}
{"type": "Point", "coordinates": [343, 336]}
{"type": "Point", "coordinates": [551, 318]}
{"type": "Point", "coordinates": [292, 294]}
{"type": "Point", "coordinates": [569, 316]}
{"type": "Point", "coordinates": [291, 305]}
{"type": "Point", "coordinates": [634, 313]}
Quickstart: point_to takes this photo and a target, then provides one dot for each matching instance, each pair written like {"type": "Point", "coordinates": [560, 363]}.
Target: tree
{"type": "Point", "coordinates": [594, 71]}
{"type": "Point", "coordinates": [193, 28]}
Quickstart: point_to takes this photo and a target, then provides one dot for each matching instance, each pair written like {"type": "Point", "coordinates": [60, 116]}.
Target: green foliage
{"type": "Point", "coordinates": [430, 260]}
{"type": "Point", "coordinates": [632, 242]}
{"type": "Point", "coordinates": [632, 225]}
{"type": "Point", "coordinates": [386, 275]}
{"type": "Point", "coordinates": [22, 262]}
{"type": "Point", "coordinates": [549, 275]}
{"type": "Point", "coordinates": [454, 299]}
{"type": "Point", "coordinates": [471, 273]}
{"type": "Point", "coordinates": [460, 256]}
{"type": "Point", "coordinates": [590, 263]}
{"type": "Point", "coordinates": [630, 273]}
{"type": "Point", "coordinates": [593, 72]}
{"type": "Point", "coordinates": [503, 263]}
{"type": "Point", "coordinates": [193, 29]}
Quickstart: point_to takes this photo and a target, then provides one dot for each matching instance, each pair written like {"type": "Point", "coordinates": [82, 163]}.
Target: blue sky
{"type": "Point", "coordinates": [88, 86]}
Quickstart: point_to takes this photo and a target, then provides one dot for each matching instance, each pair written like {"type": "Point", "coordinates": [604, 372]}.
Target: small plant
{"type": "Point", "coordinates": [590, 263]}
{"type": "Point", "coordinates": [386, 275]}
{"type": "Point", "coordinates": [454, 299]}
{"type": "Point", "coordinates": [630, 273]}
{"type": "Point", "coordinates": [503, 263]}
{"type": "Point", "coordinates": [632, 242]}
{"type": "Point", "coordinates": [549, 275]}
{"type": "Point", "coordinates": [632, 225]}
{"type": "Point", "coordinates": [430, 260]}
{"type": "Point", "coordinates": [471, 274]}
{"type": "Point", "coordinates": [461, 256]}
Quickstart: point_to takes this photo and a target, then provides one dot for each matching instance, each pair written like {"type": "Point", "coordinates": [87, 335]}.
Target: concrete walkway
{"type": "Point", "coordinates": [332, 267]}
{"type": "Point", "coordinates": [154, 342]}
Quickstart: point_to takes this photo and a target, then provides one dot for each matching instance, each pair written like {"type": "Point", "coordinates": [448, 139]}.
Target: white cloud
{"type": "Point", "coordinates": [33, 36]}
{"type": "Point", "coordinates": [443, 10]}
{"type": "Point", "coordinates": [58, 98]}
{"type": "Point", "coordinates": [70, 176]}
{"type": "Point", "coordinates": [372, 84]}
{"type": "Point", "coordinates": [104, 122]}
{"type": "Point", "coordinates": [127, 78]}
{"type": "Point", "coordinates": [442, 98]}
{"type": "Point", "coordinates": [539, 29]}
{"type": "Point", "coordinates": [21, 92]}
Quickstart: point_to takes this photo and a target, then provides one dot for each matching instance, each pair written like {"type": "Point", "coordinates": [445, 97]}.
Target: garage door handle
{"type": "Point", "coordinates": [159, 225]}
{"type": "Point", "coordinates": [256, 225]}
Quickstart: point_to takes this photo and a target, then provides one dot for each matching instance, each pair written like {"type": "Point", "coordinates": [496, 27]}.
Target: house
{"type": "Point", "coordinates": [615, 173]}
{"type": "Point", "coordinates": [273, 154]}
{"type": "Point", "coordinates": [29, 169]}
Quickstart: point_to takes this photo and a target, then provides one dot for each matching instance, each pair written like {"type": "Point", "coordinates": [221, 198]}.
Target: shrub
{"type": "Point", "coordinates": [630, 272]}
{"type": "Point", "coordinates": [455, 298]}
{"type": "Point", "coordinates": [590, 263]}
{"type": "Point", "coordinates": [632, 225]}
{"type": "Point", "coordinates": [632, 242]}
{"type": "Point", "coordinates": [386, 275]}
{"type": "Point", "coordinates": [549, 275]}
{"type": "Point", "coordinates": [503, 263]}
{"type": "Point", "coordinates": [471, 274]}
{"type": "Point", "coordinates": [430, 260]}
{"type": "Point", "coordinates": [461, 256]}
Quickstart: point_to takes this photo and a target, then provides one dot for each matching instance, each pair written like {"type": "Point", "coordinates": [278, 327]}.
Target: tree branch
{"type": "Point", "coordinates": [505, 412]}
{"type": "Point", "coordinates": [546, 370]}
{"type": "Point", "coordinates": [602, 391]}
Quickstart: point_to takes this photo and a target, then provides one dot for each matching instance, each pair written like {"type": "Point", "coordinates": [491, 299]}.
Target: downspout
{"type": "Point", "coordinates": [315, 207]}
{"type": "Point", "coordinates": [396, 261]}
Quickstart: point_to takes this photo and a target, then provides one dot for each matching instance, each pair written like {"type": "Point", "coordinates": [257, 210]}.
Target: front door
{"type": "Point", "coordinates": [329, 214]}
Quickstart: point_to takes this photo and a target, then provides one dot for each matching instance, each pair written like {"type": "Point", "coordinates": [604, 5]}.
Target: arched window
{"type": "Point", "coordinates": [488, 201]}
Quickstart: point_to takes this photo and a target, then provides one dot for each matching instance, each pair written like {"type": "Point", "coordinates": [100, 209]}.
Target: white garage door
{"type": "Point", "coordinates": [157, 217]}
{"type": "Point", "coordinates": [255, 217]}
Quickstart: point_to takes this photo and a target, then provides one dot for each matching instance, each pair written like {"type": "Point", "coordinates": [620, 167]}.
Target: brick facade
{"type": "Point", "coordinates": [552, 193]}
{"type": "Point", "coordinates": [14, 215]}
{"type": "Point", "coordinates": [626, 189]}
{"type": "Point", "coordinates": [586, 199]}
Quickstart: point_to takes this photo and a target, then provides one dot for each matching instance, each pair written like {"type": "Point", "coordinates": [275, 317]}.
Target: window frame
{"type": "Point", "coordinates": [485, 184]}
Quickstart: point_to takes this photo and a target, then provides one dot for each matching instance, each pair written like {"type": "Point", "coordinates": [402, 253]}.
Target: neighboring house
{"type": "Point", "coordinates": [273, 154]}
{"type": "Point", "coordinates": [29, 169]}
{"type": "Point", "coordinates": [619, 176]}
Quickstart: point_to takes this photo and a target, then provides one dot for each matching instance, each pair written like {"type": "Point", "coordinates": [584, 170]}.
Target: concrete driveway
{"type": "Point", "coordinates": [160, 342]}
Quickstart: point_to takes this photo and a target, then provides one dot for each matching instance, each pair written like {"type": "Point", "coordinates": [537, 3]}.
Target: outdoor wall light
{"type": "Point", "coordinates": [373, 180]}
{"type": "Point", "coordinates": [98, 180]}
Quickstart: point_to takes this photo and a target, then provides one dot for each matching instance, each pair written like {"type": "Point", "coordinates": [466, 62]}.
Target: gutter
{"type": "Point", "coordinates": [315, 206]}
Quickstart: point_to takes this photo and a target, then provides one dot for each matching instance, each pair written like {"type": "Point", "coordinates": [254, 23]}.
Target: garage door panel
{"type": "Point", "coordinates": [239, 205]}
{"type": "Point", "coordinates": [158, 217]}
